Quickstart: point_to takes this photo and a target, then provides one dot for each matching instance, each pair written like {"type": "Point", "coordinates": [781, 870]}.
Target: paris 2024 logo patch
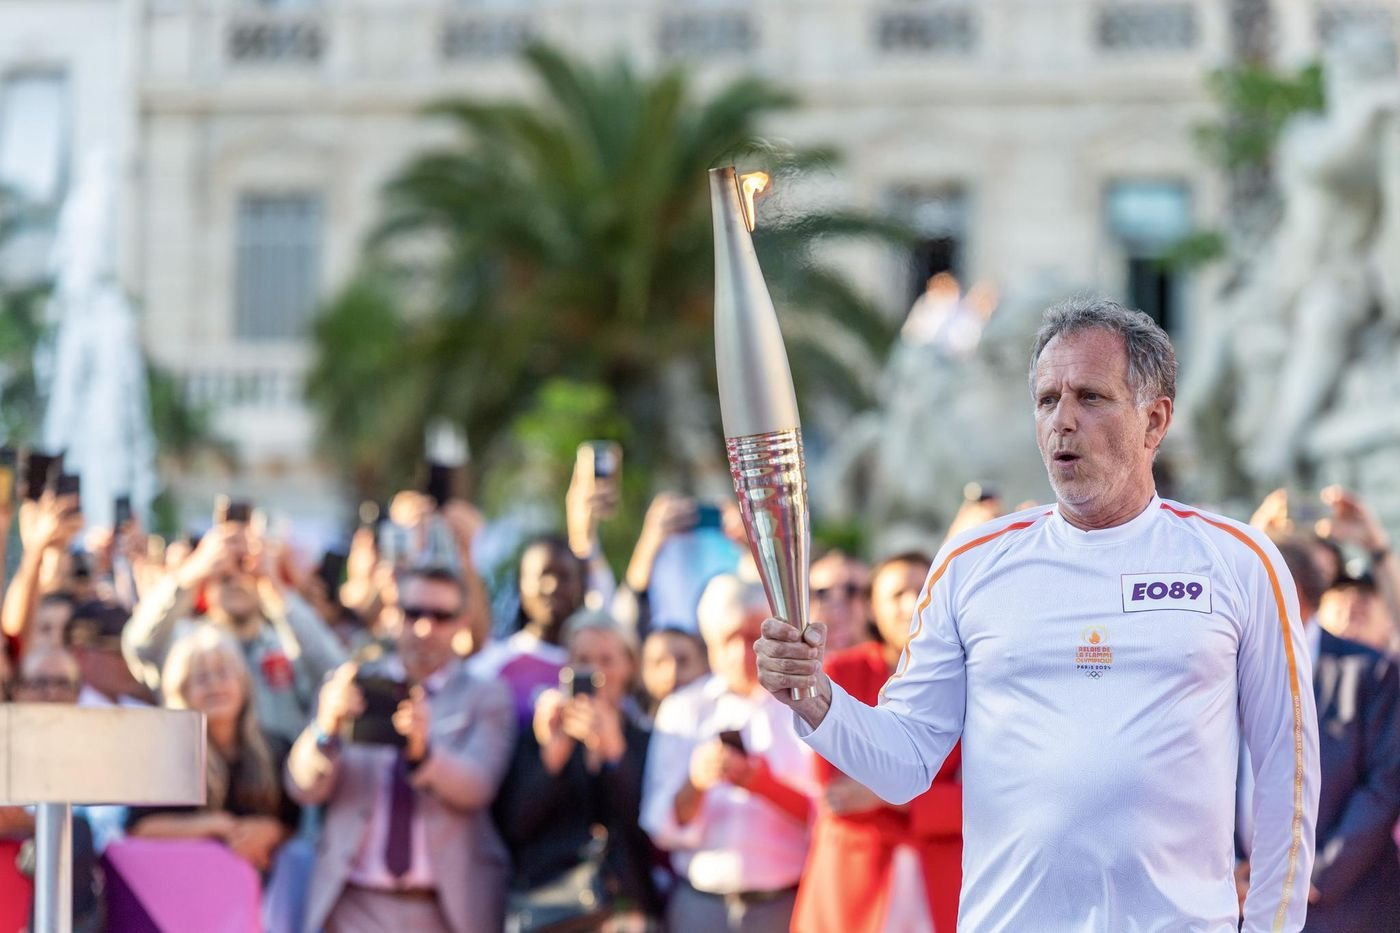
{"type": "Point", "coordinates": [1094, 658]}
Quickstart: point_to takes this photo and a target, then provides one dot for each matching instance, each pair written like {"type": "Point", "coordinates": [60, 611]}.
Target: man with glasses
{"type": "Point", "coordinates": [841, 598]}
{"type": "Point", "coordinates": [408, 842]}
{"type": "Point", "coordinates": [47, 675]}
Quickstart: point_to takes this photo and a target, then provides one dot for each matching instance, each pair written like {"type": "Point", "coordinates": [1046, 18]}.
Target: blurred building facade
{"type": "Point", "coordinates": [1039, 145]}
{"type": "Point", "coordinates": [66, 88]}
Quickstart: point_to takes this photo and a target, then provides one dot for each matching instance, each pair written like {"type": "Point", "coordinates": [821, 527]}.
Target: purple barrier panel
{"type": "Point", "coordinates": [172, 885]}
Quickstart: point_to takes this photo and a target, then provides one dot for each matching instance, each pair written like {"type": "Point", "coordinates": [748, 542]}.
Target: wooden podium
{"type": "Point", "coordinates": [55, 756]}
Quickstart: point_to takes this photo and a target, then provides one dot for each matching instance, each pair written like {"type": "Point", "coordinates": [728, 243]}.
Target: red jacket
{"type": "Point", "coordinates": [846, 883]}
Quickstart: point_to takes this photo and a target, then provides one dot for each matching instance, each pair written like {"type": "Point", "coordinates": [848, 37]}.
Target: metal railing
{"type": "Point", "coordinates": [264, 38]}
{"type": "Point", "coordinates": [1147, 26]}
{"type": "Point", "coordinates": [706, 33]}
{"type": "Point", "coordinates": [251, 386]}
{"type": "Point", "coordinates": [926, 28]}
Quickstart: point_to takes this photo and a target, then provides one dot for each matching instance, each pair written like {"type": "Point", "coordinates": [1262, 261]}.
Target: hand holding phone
{"type": "Point", "coordinates": [579, 682]}
{"type": "Point", "coordinates": [228, 510]}
{"type": "Point", "coordinates": [602, 461]}
{"type": "Point", "coordinates": [440, 483]}
{"type": "Point", "coordinates": [121, 513]}
{"type": "Point", "coordinates": [375, 725]}
{"type": "Point", "coordinates": [733, 738]}
{"type": "Point", "coordinates": [40, 473]}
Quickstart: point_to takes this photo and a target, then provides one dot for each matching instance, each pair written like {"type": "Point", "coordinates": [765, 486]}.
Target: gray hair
{"type": "Point", "coordinates": [1151, 359]}
{"type": "Point", "coordinates": [725, 597]}
{"type": "Point", "coordinates": [595, 620]}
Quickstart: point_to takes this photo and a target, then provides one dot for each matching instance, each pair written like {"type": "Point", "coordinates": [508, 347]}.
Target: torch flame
{"type": "Point", "coordinates": [749, 186]}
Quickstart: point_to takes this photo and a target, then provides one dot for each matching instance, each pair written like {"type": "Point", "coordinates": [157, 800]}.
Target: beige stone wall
{"type": "Point", "coordinates": [1032, 117]}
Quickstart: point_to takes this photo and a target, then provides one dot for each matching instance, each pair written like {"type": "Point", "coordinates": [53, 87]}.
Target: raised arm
{"type": "Point", "coordinates": [147, 637]}
{"type": "Point", "coordinates": [45, 526]}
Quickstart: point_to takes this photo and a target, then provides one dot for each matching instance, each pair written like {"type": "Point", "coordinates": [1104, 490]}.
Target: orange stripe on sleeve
{"type": "Point", "coordinates": [927, 597]}
{"type": "Point", "coordinates": [1298, 769]}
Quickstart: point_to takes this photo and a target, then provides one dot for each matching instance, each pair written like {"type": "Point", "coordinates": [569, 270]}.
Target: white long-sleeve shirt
{"type": "Point", "coordinates": [1100, 683]}
{"type": "Point", "coordinates": [738, 841]}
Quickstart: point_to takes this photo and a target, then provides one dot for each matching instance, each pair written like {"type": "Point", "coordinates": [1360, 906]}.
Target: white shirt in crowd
{"type": "Point", "coordinates": [1101, 682]}
{"type": "Point", "coordinates": [738, 841]}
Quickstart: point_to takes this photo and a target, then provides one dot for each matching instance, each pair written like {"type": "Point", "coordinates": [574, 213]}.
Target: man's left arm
{"type": "Point", "coordinates": [1363, 832]}
{"type": "Point", "coordinates": [1279, 727]}
{"type": "Point", "coordinates": [466, 775]}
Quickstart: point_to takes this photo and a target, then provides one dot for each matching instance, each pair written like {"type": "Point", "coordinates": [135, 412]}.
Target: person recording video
{"type": "Point", "coordinates": [288, 649]}
{"type": "Point", "coordinates": [406, 756]}
{"type": "Point", "coordinates": [50, 518]}
{"type": "Point", "coordinates": [572, 798]}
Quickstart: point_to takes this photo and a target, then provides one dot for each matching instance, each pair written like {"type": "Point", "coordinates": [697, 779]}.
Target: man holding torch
{"type": "Point", "coordinates": [1101, 660]}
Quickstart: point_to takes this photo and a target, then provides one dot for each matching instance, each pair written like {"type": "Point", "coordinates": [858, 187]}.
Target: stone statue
{"type": "Point", "coordinates": [1275, 351]}
{"type": "Point", "coordinates": [902, 467]}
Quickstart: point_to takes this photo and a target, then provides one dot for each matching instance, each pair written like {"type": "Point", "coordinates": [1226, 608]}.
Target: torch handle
{"type": "Point", "coordinates": [803, 693]}
{"type": "Point", "coordinates": [770, 482]}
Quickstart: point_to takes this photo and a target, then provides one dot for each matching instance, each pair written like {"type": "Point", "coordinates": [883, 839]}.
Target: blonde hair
{"type": "Point", "coordinates": [260, 787]}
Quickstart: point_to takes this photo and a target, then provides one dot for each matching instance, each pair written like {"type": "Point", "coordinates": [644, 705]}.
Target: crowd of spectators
{"type": "Point", "coordinates": [388, 748]}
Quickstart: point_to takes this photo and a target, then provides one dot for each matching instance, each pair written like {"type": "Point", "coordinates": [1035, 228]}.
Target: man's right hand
{"type": "Point", "coordinates": [340, 700]}
{"type": "Point", "coordinates": [789, 660]}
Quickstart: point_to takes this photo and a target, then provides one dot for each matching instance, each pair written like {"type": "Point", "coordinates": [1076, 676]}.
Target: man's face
{"type": "Point", "coordinates": [551, 585]}
{"type": "Point", "coordinates": [48, 676]}
{"type": "Point", "coordinates": [670, 660]}
{"type": "Point", "coordinates": [433, 614]}
{"type": "Point", "coordinates": [893, 595]}
{"type": "Point", "coordinates": [235, 594]}
{"type": "Point", "coordinates": [1097, 444]}
{"type": "Point", "coordinates": [1356, 613]}
{"type": "Point", "coordinates": [840, 588]}
{"type": "Point", "coordinates": [731, 651]}
{"type": "Point", "coordinates": [50, 619]}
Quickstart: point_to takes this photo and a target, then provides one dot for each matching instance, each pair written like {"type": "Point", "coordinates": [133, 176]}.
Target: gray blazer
{"type": "Point", "coordinates": [472, 735]}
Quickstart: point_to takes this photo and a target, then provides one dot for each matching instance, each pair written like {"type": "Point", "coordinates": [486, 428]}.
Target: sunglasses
{"type": "Point", "coordinates": [440, 616]}
{"type": "Point", "coordinates": [47, 684]}
{"type": "Point", "coordinates": [848, 591]}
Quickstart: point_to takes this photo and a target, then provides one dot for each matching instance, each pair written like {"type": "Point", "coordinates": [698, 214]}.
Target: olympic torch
{"type": "Point", "coordinates": [757, 404]}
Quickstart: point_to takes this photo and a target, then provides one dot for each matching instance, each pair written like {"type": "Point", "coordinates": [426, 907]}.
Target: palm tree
{"type": "Point", "coordinates": [570, 237]}
{"type": "Point", "coordinates": [21, 328]}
